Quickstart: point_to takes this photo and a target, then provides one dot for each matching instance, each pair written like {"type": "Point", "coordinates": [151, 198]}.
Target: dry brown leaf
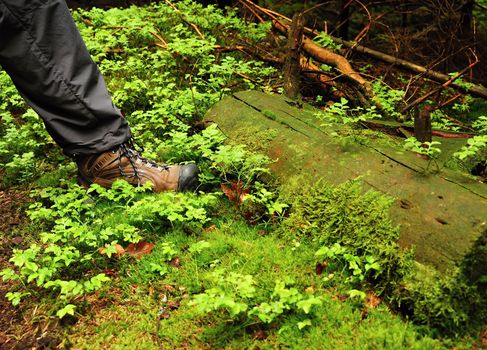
{"type": "Point", "coordinates": [259, 335]}
{"type": "Point", "coordinates": [339, 297]}
{"type": "Point", "coordinates": [372, 300]}
{"type": "Point", "coordinates": [173, 305]}
{"type": "Point", "coordinates": [210, 228]}
{"type": "Point", "coordinates": [319, 268]}
{"type": "Point", "coordinates": [310, 290]}
{"type": "Point", "coordinates": [176, 262]}
{"type": "Point", "coordinates": [169, 288]}
{"type": "Point", "coordinates": [235, 192]}
{"type": "Point", "coordinates": [17, 240]}
{"type": "Point", "coordinates": [119, 251]}
{"type": "Point", "coordinates": [138, 250]}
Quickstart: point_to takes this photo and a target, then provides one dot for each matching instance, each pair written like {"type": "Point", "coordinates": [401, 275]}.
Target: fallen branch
{"type": "Point", "coordinates": [474, 89]}
{"type": "Point", "coordinates": [441, 87]}
{"type": "Point", "coordinates": [326, 56]}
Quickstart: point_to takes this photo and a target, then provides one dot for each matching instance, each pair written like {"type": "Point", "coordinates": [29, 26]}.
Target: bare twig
{"type": "Point", "coordinates": [196, 29]}
{"type": "Point", "coordinates": [163, 43]}
{"type": "Point", "coordinates": [251, 9]}
{"type": "Point", "coordinates": [442, 86]}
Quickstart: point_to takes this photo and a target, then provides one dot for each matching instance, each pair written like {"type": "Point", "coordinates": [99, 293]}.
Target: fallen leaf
{"type": "Point", "coordinates": [138, 250]}
{"type": "Point", "coordinates": [339, 297]}
{"type": "Point", "coordinates": [164, 316]}
{"type": "Point", "coordinates": [169, 288]}
{"type": "Point", "coordinates": [17, 240]}
{"type": "Point", "coordinates": [259, 335]}
{"type": "Point", "coordinates": [310, 290]}
{"type": "Point", "coordinates": [319, 268]}
{"type": "Point", "coordinates": [235, 192]}
{"type": "Point", "coordinates": [119, 251]}
{"type": "Point", "coordinates": [110, 272]}
{"type": "Point", "coordinates": [210, 228]}
{"type": "Point", "coordinates": [173, 305]}
{"type": "Point", "coordinates": [176, 262]}
{"type": "Point", "coordinates": [372, 300]}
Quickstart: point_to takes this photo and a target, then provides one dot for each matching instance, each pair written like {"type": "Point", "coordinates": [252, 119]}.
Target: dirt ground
{"type": "Point", "coordinates": [20, 328]}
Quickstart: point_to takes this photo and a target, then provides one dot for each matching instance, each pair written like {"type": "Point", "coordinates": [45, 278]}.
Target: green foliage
{"type": "Point", "coordinates": [448, 302]}
{"type": "Point", "coordinates": [460, 82]}
{"type": "Point", "coordinates": [66, 257]}
{"type": "Point", "coordinates": [427, 148]}
{"type": "Point", "coordinates": [164, 76]}
{"type": "Point", "coordinates": [357, 267]}
{"type": "Point", "coordinates": [358, 246]}
{"type": "Point", "coordinates": [359, 223]}
{"type": "Point", "coordinates": [237, 294]}
{"type": "Point", "coordinates": [23, 140]}
{"type": "Point", "coordinates": [388, 98]}
{"type": "Point", "coordinates": [324, 40]}
{"type": "Point", "coordinates": [341, 113]}
{"type": "Point", "coordinates": [474, 146]}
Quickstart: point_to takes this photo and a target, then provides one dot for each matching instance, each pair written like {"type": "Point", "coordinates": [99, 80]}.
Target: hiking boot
{"type": "Point", "coordinates": [125, 162]}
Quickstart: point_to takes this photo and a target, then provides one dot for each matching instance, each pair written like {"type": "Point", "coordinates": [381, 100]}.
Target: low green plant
{"type": "Point", "coordinates": [66, 258]}
{"type": "Point", "coordinates": [388, 98]}
{"type": "Point", "coordinates": [352, 227]}
{"type": "Point", "coordinates": [356, 267]}
{"type": "Point", "coordinates": [473, 147]}
{"type": "Point", "coordinates": [426, 148]}
{"type": "Point", "coordinates": [325, 40]}
{"type": "Point", "coordinates": [239, 296]}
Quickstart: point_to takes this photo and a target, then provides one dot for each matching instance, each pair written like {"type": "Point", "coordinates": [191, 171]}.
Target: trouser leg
{"type": "Point", "coordinates": [42, 51]}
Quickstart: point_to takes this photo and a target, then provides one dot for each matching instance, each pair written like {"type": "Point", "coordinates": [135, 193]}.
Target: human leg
{"type": "Point", "coordinates": [42, 51]}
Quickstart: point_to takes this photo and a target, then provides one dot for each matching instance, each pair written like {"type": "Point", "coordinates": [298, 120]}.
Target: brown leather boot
{"type": "Point", "coordinates": [126, 163]}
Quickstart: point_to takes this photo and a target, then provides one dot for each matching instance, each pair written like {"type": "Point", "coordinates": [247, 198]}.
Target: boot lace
{"type": "Point", "coordinates": [132, 151]}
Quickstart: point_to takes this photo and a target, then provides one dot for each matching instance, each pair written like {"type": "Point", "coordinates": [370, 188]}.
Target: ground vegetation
{"type": "Point", "coordinates": [240, 263]}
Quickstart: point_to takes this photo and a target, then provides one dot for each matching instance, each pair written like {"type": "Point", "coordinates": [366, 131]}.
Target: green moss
{"type": "Point", "coordinates": [452, 303]}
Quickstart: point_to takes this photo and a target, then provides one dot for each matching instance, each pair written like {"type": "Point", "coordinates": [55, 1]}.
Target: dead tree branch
{"type": "Point", "coordinates": [441, 87]}
{"type": "Point", "coordinates": [474, 89]}
{"type": "Point", "coordinates": [326, 56]}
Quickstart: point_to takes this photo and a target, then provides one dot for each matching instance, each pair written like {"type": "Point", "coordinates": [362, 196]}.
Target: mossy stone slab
{"type": "Point", "coordinates": [442, 214]}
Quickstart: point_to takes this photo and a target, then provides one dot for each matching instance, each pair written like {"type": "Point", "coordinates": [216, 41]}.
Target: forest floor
{"type": "Point", "coordinates": [241, 264]}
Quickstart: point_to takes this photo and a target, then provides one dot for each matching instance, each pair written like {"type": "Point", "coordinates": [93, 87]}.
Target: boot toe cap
{"type": "Point", "coordinates": [188, 178]}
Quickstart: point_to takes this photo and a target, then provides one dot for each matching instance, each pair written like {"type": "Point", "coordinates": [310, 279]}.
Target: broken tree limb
{"type": "Point", "coordinates": [326, 56]}
{"type": "Point", "coordinates": [474, 89]}
{"type": "Point", "coordinates": [441, 87]}
{"type": "Point", "coordinates": [359, 91]}
{"type": "Point", "coordinates": [292, 65]}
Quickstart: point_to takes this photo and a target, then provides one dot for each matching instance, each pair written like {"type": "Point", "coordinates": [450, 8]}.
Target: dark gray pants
{"type": "Point", "coordinates": [42, 51]}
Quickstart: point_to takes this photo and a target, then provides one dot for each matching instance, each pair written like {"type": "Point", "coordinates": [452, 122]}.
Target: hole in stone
{"type": "Point", "coordinates": [405, 204]}
{"type": "Point", "coordinates": [440, 197]}
{"type": "Point", "coordinates": [480, 169]}
{"type": "Point", "coordinates": [441, 221]}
